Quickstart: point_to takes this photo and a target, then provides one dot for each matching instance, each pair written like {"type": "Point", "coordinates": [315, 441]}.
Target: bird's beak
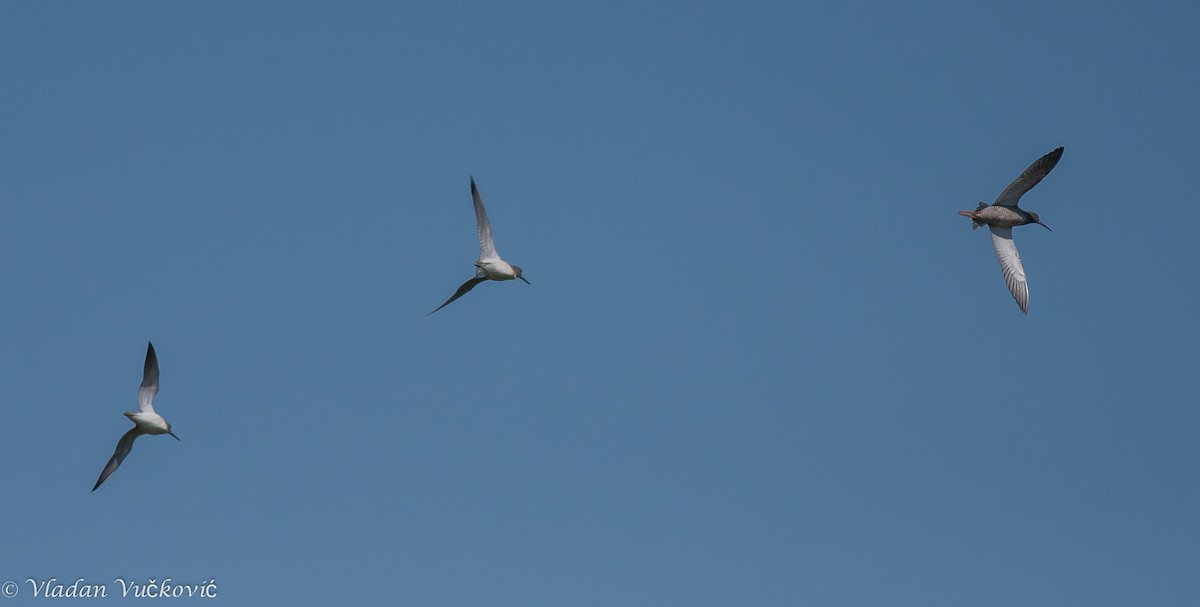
{"type": "Point", "coordinates": [1044, 225]}
{"type": "Point", "coordinates": [526, 281]}
{"type": "Point", "coordinates": [173, 434]}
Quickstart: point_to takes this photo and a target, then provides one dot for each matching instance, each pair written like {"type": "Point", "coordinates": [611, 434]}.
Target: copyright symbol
{"type": "Point", "coordinates": [9, 589]}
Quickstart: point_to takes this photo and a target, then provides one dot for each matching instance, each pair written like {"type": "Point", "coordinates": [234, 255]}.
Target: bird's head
{"type": "Point", "coordinates": [517, 271]}
{"type": "Point", "coordinates": [171, 432]}
{"type": "Point", "coordinates": [1038, 220]}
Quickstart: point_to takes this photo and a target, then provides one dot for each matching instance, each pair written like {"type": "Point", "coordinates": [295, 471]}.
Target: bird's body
{"type": "Point", "coordinates": [1004, 214]}
{"type": "Point", "coordinates": [489, 266]}
{"type": "Point", "coordinates": [149, 422]}
{"type": "Point", "coordinates": [1001, 217]}
{"type": "Point", "coordinates": [145, 420]}
{"type": "Point", "coordinates": [497, 269]}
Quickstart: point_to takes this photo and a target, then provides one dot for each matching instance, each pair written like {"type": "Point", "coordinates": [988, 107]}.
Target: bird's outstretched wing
{"type": "Point", "coordinates": [1032, 175]}
{"type": "Point", "coordinates": [1010, 264]}
{"type": "Point", "coordinates": [487, 250]}
{"type": "Point", "coordinates": [149, 382]}
{"type": "Point", "coordinates": [462, 290]}
{"type": "Point", "coordinates": [124, 446]}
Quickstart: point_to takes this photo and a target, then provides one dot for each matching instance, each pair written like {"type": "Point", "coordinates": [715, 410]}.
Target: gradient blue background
{"type": "Point", "coordinates": [762, 360]}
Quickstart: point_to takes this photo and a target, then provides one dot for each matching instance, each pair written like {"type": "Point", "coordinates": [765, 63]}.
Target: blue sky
{"type": "Point", "coordinates": [762, 360]}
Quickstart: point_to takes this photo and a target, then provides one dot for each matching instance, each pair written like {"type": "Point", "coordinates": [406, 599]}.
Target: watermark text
{"type": "Point", "coordinates": [151, 588]}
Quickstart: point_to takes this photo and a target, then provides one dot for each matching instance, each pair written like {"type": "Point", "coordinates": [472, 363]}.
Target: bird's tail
{"type": "Point", "coordinates": [974, 215]}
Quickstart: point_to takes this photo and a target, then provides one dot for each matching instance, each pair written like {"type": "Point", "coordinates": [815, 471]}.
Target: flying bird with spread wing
{"type": "Point", "coordinates": [145, 420]}
{"type": "Point", "coordinates": [489, 266]}
{"type": "Point", "coordinates": [1003, 215]}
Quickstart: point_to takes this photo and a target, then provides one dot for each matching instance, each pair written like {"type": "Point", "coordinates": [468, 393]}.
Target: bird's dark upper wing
{"type": "Point", "coordinates": [124, 446]}
{"type": "Point", "coordinates": [1029, 178]}
{"type": "Point", "coordinates": [462, 290]}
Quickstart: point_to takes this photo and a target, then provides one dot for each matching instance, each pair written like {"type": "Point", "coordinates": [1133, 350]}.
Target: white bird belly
{"type": "Point", "coordinates": [497, 269]}
{"type": "Point", "coordinates": [150, 423]}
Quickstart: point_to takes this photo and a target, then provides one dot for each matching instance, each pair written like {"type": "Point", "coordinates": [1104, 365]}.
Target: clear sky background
{"type": "Point", "coordinates": [762, 360]}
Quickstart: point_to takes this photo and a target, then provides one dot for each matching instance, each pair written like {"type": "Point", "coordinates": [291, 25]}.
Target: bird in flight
{"type": "Point", "coordinates": [489, 266]}
{"type": "Point", "coordinates": [145, 421]}
{"type": "Point", "coordinates": [1001, 216]}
